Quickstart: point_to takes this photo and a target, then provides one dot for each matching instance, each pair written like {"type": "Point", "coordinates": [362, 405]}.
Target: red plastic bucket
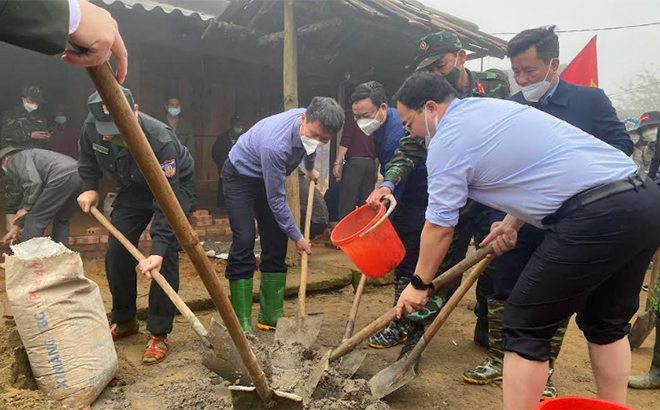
{"type": "Point", "coordinates": [579, 403]}
{"type": "Point", "coordinates": [375, 253]}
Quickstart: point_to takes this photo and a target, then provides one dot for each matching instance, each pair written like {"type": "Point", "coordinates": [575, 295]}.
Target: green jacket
{"type": "Point", "coordinates": [412, 151]}
{"type": "Point", "coordinates": [17, 128]}
{"type": "Point", "coordinates": [37, 25]}
{"type": "Point", "coordinates": [185, 133]}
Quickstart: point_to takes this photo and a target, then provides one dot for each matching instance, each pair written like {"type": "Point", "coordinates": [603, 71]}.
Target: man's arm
{"type": "Point", "coordinates": [411, 152]}
{"type": "Point", "coordinates": [30, 181]}
{"type": "Point", "coordinates": [88, 167]}
{"type": "Point", "coordinates": [38, 25]}
{"type": "Point", "coordinates": [273, 168]}
{"type": "Point", "coordinates": [12, 133]}
{"type": "Point", "coordinates": [607, 126]}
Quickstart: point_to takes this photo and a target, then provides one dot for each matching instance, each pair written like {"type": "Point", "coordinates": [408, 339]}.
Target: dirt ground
{"type": "Point", "coordinates": [181, 382]}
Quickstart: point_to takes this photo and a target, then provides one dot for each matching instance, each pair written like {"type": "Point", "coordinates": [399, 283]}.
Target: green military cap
{"type": "Point", "coordinates": [104, 123]}
{"type": "Point", "coordinates": [432, 47]}
{"type": "Point", "coordinates": [34, 92]}
{"type": "Point", "coordinates": [8, 150]}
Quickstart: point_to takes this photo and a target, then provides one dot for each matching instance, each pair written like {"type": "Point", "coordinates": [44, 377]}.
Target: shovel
{"type": "Point", "coordinates": [402, 372]}
{"type": "Point", "coordinates": [303, 328]}
{"type": "Point", "coordinates": [352, 362]}
{"type": "Point", "coordinates": [348, 345]}
{"type": "Point", "coordinates": [646, 320]}
{"type": "Point", "coordinates": [125, 119]}
{"type": "Point", "coordinates": [215, 357]}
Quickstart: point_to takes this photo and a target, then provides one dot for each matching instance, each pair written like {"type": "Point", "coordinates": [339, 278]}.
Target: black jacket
{"type": "Point", "coordinates": [98, 155]}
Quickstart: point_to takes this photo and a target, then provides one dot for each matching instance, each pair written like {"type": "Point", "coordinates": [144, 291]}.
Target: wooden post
{"type": "Point", "coordinates": [290, 81]}
{"type": "Point", "coordinates": [334, 143]}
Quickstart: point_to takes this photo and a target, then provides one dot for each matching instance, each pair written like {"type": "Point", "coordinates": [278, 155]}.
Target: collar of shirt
{"type": "Point", "coordinates": [551, 93]}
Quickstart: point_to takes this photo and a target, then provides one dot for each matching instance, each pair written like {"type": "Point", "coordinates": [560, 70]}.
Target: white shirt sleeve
{"type": "Point", "coordinates": [74, 16]}
{"type": "Point", "coordinates": [449, 173]}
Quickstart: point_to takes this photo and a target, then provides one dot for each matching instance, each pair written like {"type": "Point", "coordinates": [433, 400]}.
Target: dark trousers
{"type": "Point", "coordinates": [358, 178]}
{"type": "Point", "coordinates": [408, 222]}
{"type": "Point", "coordinates": [591, 261]}
{"type": "Point", "coordinates": [122, 277]}
{"type": "Point", "coordinates": [220, 196]}
{"type": "Point", "coordinates": [57, 202]}
{"type": "Point", "coordinates": [246, 200]}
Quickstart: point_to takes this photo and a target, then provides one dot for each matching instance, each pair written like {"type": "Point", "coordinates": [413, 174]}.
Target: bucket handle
{"type": "Point", "coordinates": [393, 204]}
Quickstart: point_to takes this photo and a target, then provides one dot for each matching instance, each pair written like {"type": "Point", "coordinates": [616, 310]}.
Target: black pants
{"type": "Point", "coordinates": [120, 268]}
{"type": "Point", "coordinates": [246, 200]}
{"type": "Point", "coordinates": [408, 222]}
{"type": "Point", "coordinates": [592, 261]}
{"type": "Point", "coordinates": [57, 202]}
{"type": "Point", "coordinates": [358, 178]}
{"type": "Point", "coordinates": [220, 195]}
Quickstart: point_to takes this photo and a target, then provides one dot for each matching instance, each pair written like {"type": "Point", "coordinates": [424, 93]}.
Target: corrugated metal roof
{"type": "Point", "coordinates": [150, 5]}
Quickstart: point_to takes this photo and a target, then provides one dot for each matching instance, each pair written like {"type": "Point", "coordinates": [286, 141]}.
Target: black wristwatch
{"type": "Point", "coordinates": [419, 284]}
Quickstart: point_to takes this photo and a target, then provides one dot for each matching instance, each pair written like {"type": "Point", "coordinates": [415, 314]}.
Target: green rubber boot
{"type": "Point", "coordinates": [650, 380]}
{"type": "Point", "coordinates": [271, 299]}
{"type": "Point", "coordinates": [241, 301]}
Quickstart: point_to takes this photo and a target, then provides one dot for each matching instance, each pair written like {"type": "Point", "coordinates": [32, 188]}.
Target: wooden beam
{"type": "Point", "coordinates": [290, 80]}
{"type": "Point", "coordinates": [302, 31]}
{"type": "Point", "coordinates": [230, 30]}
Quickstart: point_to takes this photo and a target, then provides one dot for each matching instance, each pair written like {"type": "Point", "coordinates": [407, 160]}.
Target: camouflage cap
{"type": "Point", "coordinates": [8, 150]}
{"type": "Point", "coordinates": [649, 118]}
{"type": "Point", "coordinates": [432, 47]}
{"type": "Point", "coordinates": [34, 92]}
{"type": "Point", "coordinates": [104, 123]}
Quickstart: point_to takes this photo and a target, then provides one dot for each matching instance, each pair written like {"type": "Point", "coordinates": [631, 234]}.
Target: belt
{"type": "Point", "coordinates": [591, 195]}
{"type": "Point", "coordinates": [370, 158]}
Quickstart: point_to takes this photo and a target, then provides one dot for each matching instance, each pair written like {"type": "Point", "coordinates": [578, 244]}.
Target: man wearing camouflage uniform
{"type": "Point", "coordinates": [23, 127]}
{"type": "Point", "coordinates": [441, 53]}
{"type": "Point", "coordinates": [651, 380]}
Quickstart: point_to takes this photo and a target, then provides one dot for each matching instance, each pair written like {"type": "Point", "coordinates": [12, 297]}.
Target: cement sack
{"type": "Point", "coordinates": [61, 319]}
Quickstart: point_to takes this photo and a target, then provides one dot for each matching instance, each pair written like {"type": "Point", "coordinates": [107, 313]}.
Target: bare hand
{"type": "Point", "coordinates": [87, 200]}
{"type": "Point", "coordinates": [304, 246]}
{"type": "Point", "coordinates": [336, 171]}
{"type": "Point", "coordinates": [12, 235]}
{"type": "Point", "coordinates": [99, 34]}
{"type": "Point", "coordinates": [21, 213]}
{"type": "Point", "coordinates": [40, 135]}
{"type": "Point", "coordinates": [312, 175]}
{"type": "Point", "coordinates": [153, 262]}
{"type": "Point", "coordinates": [377, 195]}
{"type": "Point", "coordinates": [504, 238]}
{"type": "Point", "coordinates": [411, 300]}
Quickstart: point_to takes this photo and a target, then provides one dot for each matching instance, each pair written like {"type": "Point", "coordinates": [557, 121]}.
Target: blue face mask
{"type": "Point", "coordinates": [174, 112]}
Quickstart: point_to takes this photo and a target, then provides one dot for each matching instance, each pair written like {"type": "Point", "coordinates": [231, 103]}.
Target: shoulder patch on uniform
{"type": "Point", "coordinates": [100, 148]}
{"type": "Point", "coordinates": [480, 88]}
{"type": "Point", "coordinates": [169, 168]}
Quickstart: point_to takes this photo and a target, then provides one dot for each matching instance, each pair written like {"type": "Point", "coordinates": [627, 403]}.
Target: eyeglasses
{"type": "Point", "coordinates": [407, 125]}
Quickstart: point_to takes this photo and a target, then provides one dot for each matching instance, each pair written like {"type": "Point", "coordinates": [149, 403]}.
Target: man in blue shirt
{"type": "Point", "coordinates": [600, 215]}
{"type": "Point", "coordinates": [534, 58]}
{"type": "Point", "coordinates": [382, 123]}
{"type": "Point", "coordinates": [253, 184]}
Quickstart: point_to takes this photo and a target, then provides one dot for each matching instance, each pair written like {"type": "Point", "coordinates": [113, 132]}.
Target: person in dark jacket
{"type": "Point", "coordinates": [320, 215]}
{"type": "Point", "coordinates": [102, 149]}
{"type": "Point", "coordinates": [49, 183]}
{"type": "Point", "coordinates": [221, 148]}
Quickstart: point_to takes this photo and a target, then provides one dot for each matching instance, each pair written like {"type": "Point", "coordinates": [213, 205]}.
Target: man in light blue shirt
{"type": "Point", "coordinates": [601, 217]}
{"type": "Point", "coordinates": [253, 184]}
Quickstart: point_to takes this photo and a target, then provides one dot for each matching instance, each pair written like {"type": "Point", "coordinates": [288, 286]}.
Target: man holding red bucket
{"type": "Point", "coordinates": [600, 215]}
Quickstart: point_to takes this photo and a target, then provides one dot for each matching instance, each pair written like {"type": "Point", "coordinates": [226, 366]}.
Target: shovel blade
{"type": "Point", "coordinates": [247, 398]}
{"type": "Point", "coordinates": [641, 329]}
{"type": "Point", "coordinates": [303, 330]}
{"type": "Point", "coordinates": [222, 357]}
{"type": "Point", "coordinates": [351, 363]}
{"type": "Point", "coordinates": [392, 378]}
{"type": "Point", "coordinates": [316, 376]}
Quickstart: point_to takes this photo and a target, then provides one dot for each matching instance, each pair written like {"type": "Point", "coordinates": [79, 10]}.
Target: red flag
{"type": "Point", "coordinates": [583, 70]}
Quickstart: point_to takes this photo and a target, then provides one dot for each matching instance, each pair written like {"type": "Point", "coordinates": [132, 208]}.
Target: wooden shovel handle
{"type": "Point", "coordinates": [441, 281]}
{"type": "Point", "coordinates": [124, 117]}
{"type": "Point", "coordinates": [156, 275]}
{"type": "Point", "coordinates": [304, 261]}
{"type": "Point", "coordinates": [350, 326]}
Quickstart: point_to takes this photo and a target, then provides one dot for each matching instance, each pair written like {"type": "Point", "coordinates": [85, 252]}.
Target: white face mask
{"type": "Point", "coordinates": [428, 137]}
{"type": "Point", "coordinates": [4, 168]}
{"type": "Point", "coordinates": [369, 125]}
{"type": "Point", "coordinates": [634, 137]}
{"type": "Point", "coordinates": [534, 92]}
{"type": "Point", "coordinates": [60, 119]}
{"type": "Point", "coordinates": [310, 144]}
{"type": "Point", "coordinates": [650, 134]}
{"type": "Point", "coordinates": [30, 106]}
{"type": "Point", "coordinates": [238, 130]}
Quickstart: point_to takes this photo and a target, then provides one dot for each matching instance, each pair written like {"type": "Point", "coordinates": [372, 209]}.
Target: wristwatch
{"type": "Point", "coordinates": [419, 284]}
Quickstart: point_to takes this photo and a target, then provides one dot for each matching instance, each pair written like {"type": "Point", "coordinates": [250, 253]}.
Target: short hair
{"type": "Point", "coordinates": [372, 90]}
{"type": "Point", "coordinates": [424, 86]}
{"type": "Point", "coordinates": [543, 38]}
{"type": "Point", "coordinates": [171, 97]}
{"type": "Point", "coordinates": [327, 112]}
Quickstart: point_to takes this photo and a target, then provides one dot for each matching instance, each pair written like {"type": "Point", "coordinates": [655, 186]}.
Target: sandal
{"type": "Point", "coordinates": [124, 329]}
{"type": "Point", "coordinates": [156, 351]}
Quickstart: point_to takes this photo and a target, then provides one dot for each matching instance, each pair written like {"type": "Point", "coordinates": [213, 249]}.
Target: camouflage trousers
{"type": "Point", "coordinates": [495, 316]}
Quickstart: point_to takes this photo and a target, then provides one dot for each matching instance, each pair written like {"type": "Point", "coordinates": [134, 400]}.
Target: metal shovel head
{"type": "Point", "coordinates": [222, 357]}
{"type": "Point", "coordinates": [351, 363]}
{"type": "Point", "coordinates": [247, 398]}
{"type": "Point", "coordinates": [392, 378]}
{"type": "Point", "coordinates": [316, 376]}
{"type": "Point", "coordinates": [641, 329]}
{"type": "Point", "coordinates": [303, 330]}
